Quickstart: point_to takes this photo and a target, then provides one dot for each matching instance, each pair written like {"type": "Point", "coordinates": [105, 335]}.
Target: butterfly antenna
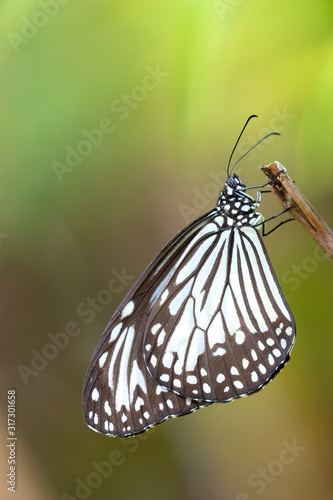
{"type": "Point", "coordinates": [240, 135]}
{"type": "Point", "coordinates": [255, 145]}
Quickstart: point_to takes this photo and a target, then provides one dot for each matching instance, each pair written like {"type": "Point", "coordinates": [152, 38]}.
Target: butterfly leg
{"type": "Point", "coordinates": [263, 223]}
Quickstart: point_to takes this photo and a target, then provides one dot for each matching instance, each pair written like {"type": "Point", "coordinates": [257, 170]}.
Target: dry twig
{"type": "Point", "coordinates": [289, 195]}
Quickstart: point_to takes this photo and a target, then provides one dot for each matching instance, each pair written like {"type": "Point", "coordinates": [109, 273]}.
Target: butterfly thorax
{"type": "Point", "coordinates": [234, 203]}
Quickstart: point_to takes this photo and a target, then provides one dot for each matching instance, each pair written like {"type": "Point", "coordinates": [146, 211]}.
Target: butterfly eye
{"type": "Point", "coordinates": [232, 182]}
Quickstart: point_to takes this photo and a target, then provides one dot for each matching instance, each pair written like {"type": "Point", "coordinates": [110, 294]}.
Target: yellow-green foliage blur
{"type": "Point", "coordinates": [117, 122]}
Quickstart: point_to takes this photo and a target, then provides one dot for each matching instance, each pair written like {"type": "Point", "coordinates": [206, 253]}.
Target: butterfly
{"type": "Point", "coordinates": [206, 322]}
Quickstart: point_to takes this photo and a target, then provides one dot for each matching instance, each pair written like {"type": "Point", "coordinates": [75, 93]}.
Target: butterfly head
{"type": "Point", "coordinates": [234, 200]}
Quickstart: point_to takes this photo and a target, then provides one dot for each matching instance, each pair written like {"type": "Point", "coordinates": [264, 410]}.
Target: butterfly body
{"type": "Point", "coordinates": [206, 322]}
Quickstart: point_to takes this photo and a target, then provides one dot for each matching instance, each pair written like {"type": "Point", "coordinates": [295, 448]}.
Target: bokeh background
{"type": "Point", "coordinates": [170, 84]}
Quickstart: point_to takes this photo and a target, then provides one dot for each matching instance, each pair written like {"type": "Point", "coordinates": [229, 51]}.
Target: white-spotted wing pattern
{"type": "Point", "coordinates": [206, 322]}
{"type": "Point", "coordinates": [228, 328]}
{"type": "Point", "coordinates": [120, 398]}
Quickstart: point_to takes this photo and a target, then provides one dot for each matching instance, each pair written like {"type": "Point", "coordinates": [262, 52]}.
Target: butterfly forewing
{"type": "Point", "coordinates": [222, 327]}
{"type": "Point", "coordinates": [119, 395]}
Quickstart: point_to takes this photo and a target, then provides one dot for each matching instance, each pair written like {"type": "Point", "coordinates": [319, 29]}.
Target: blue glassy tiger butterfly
{"type": "Point", "coordinates": [206, 322]}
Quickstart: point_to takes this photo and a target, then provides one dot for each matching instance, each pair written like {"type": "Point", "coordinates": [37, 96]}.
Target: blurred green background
{"type": "Point", "coordinates": [169, 85]}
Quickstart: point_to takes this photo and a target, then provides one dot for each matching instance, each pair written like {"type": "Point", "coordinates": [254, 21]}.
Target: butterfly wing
{"type": "Point", "coordinates": [120, 397]}
{"type": "Point", "coordinates": [222, 327]}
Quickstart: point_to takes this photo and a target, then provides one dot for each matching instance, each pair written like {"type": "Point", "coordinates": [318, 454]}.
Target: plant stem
{"type": "Point", "coordinates": [290, 196]}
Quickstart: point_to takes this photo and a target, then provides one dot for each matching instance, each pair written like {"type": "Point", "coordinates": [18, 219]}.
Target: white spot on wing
{"type": "Point", "coordinates": [219, 351]}
{"type": "Point", "coordinates": [271, 360]}
{"type": "Point", "coordinates": [238, 384]}
{"type": "Point", "coordinates": [178, 368]}
{"type": "Point", "coordinates": [167, 359]}
{"type": "Point", "coordinates": [95, 395]}
{"type": "Point", "coordinates": [254, 355]}
{"type": "Point", "coordinates": [115, 332]}
{"type": "Point", "coordinates": [239, 337]}
{"type": "Point", "coordinates": [234, 371]}
{"type": "Point", "coordinates": [245, 363]}
{"type": "Point", "coordinates": [164, 296]}
{"type": "Point", "coordinates": [161, 338]}
{"type": "Point", "coordinates": [154, 329]}
{"type": "Point", "coordinates": [107, 408]}
{"type": "Point", "coordinates": [102, 359]}
{"type": "Point", "coordinates": [128, 309]}
{"type": "Point", "coordinates": [138, 403]}
{"type": "Point", "coordinates": [261, 345]}
{"type": "Point", "coordinates": [192, 379]}
{"type": "Point", "coordinates": [262, 369]}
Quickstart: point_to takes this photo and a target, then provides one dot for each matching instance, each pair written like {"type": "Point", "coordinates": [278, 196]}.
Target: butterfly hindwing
{"type": "Point", "coordinates": [222, 327]}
